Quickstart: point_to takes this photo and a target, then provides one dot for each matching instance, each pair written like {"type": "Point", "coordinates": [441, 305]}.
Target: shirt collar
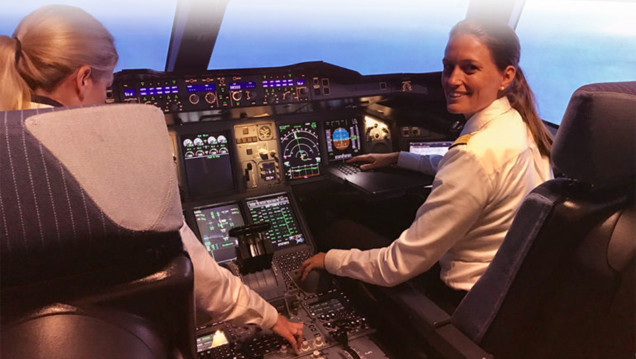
{"type": "Point", "coordinates": [45, 101]}
{"type": "Point", "coordinates": [481, 118]}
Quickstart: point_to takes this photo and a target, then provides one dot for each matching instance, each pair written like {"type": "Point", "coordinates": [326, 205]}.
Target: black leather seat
{"type": "Point", "coordinates": [562, 283]}
{"type": "Point", "coordinates": [92, 264]}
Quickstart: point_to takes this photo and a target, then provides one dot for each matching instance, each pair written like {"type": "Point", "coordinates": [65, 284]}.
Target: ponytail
{"type": "Point", "coordinates": [48, 45]}
{"type": "Point", "coordinates": [14, 92]}
{"type": "Point", "coordinates": [522, 99]}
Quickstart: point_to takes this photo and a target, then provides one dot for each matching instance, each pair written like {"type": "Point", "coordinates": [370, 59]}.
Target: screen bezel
{"type": "Point", "coordinates": [188, 191]}
{"type": "Point", "coordinates": [299, 224]}
{"type": "Point", "coordinates": [195, 223]}
{"type": "Point", "coordinates": [358, 119]}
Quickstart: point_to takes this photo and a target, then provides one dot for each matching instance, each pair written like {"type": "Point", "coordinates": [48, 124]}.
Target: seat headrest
{"type": "Point", "coordinates": [83, 188]}
{"type": "Point", "coordinates": [596, 142]}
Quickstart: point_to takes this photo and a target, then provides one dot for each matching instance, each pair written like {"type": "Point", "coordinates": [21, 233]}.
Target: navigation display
{"type": "Point", "coordinates": [206, 159]}
{"type": "Point", "coordinates": [300, 150]}
{"type": "Point", "coordinates": [343, 139]}
{"type": "Point", "coordinates": [214, 224]}
{"type": "Point", "coordinates": [276, 210]}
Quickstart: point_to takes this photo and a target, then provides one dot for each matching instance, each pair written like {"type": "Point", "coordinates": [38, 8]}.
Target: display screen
{"type": "Point", "coordinates": [160, 90]}
{"type": "Point", "coordinates": [200, 88]}
{"type": "Point", "coordinates": [277, 210]}
{"type": "Point", "coordinates": [242, 85]}
{"type": "Point", "coordinates": [300, 150]}
{"type": "Point", "coordinates": [430, 147]}
{"type": "Point", "coordinates": [278, 83]}
{"type": "Point", "coordinates": [208, 168]}
{"type": "Point", "coordinates": [343, 139]}
{"type": "Point", "coordinates": [214, 224]}
{"type": "Point", "coordinates": [130, 93]}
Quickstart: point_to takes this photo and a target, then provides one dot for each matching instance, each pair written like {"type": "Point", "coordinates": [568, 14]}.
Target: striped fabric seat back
{"type": "Point", "coordinates": [85, 188]}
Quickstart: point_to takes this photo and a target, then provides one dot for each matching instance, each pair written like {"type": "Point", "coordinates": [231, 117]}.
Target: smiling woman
{"type": "Point", "coordinates": [503, 152]}
{"type": "Point", "coordinates": [485, 57]}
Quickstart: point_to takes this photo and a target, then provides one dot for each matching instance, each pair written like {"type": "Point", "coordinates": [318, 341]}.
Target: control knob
{"type": "Point", "coordinates": [290, 96]}
{"type": "Point", "coordinates": [251, 96]}
{"type": "Point", "coordinates": [304, 346]}
{"type": "Point", "coordinates": [237, 95]}
{"type": "Point", "coordinates": [173, 105]}
{"type": "Point", "coordinates": [194, 99]}
{"type": "Point", "coordinates": [272, 98]}
{"type": "Point", "coordinates": [283, 349]}
{"type": "Point", "coordinates": [210, 98]}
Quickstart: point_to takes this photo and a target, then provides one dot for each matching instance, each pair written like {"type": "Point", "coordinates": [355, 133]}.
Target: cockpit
{"type": "Point", "coordinates": [265, 102]}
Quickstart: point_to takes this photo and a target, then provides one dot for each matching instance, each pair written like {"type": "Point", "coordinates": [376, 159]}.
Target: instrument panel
{"type": "Point", "coordinates": [178, 93]}
{"type": "Point", "coordinates": [239, 168]}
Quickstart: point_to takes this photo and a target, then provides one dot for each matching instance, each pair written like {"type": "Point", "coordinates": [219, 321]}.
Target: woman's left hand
{"type": "Point", "coordinates": [315, 262]}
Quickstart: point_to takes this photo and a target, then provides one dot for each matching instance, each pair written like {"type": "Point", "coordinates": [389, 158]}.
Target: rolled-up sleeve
{"type": "Point", "coordinates": [220, 295]}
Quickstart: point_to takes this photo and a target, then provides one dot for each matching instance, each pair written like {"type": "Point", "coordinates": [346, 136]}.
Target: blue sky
{"type": "Point", "coordinates": [565, 43]}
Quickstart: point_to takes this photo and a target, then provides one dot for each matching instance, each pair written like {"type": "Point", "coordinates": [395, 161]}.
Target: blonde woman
{"type": "Point", "coordinates": [62, 56]}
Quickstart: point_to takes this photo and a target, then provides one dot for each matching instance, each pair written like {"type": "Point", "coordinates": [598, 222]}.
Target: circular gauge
{"type": "Point", "coordinates": [341, 139]}
{"type": "Point", "coordinates": [199, 153]}
{"type": "Point", "coordinates": [223, 150]}
{"type": "Point", "coordinates": [221, 139]}
{"type": "Point", "coordinates": [213, 151]}
{"type": "Point", "coordinates": [187, 143]}
{"type": "Point", "coordinates": [301, 153]}
{"type": "Point", "coordinates": [212, 140]}
{"type": "Point", "coordinates": [189, 154]}
{"type": "Point", "coordinates": [264, 133]}
{"type": "Point", "coordinates": [198, 142]}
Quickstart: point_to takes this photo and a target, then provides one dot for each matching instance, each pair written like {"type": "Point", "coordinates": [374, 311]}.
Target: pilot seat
{"type": "Point", "coordinates": [92, 264]}
{"type": "Point", "coordinates": [562, 283]}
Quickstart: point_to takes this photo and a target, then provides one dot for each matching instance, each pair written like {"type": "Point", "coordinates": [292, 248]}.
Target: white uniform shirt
{"type": "Point", "coordinates": [476, 192]}
{"type": "Point", "coordinates": [219, 294]}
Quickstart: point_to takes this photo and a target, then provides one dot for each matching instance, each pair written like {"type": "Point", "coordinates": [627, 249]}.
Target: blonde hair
{"type": "Point", "coordinates": [505, 49]}
{"type": "Point", "coordinates": [49, 45]}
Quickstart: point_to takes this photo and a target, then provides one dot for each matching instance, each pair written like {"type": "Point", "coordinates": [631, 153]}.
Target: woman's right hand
{"type": "Point", "coordinates": [375, 160]}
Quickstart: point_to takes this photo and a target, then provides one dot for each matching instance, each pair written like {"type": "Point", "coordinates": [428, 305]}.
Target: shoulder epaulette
{"type": "Point", "coordinates": [461, 140]}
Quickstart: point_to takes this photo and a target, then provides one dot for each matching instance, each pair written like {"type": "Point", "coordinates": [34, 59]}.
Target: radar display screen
{"type": "Point", "coordinates": [214, 224]}
{"type": "Point", "coordinates": [301, 151]}
{"type": "Point", "coordinates": [277, 210]}
{"type": "Point", "coordinates": [343, 139]}
{"type": "Point", "coordinates": [208, 169]}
